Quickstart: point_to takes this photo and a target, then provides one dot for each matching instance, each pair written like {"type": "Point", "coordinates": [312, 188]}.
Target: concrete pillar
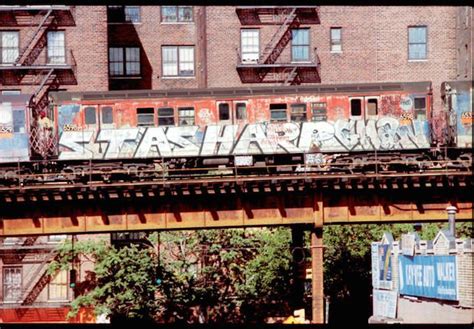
{"type": "Point", "coordinates": [317, 273]}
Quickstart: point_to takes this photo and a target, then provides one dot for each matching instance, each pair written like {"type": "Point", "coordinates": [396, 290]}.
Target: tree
{"type": "Point", "coordinates": [201, 276]}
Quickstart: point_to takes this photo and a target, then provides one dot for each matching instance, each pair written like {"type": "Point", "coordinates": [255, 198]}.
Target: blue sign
{"type": "Point", "coordinates": [428, 276]}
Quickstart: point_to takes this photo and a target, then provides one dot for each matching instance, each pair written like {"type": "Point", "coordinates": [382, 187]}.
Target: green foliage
{"type": "Point", "coordinates": [224, 275]}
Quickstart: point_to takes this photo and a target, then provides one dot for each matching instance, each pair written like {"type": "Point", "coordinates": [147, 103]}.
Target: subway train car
{"type": "Point", "coordinates": [269, 126]}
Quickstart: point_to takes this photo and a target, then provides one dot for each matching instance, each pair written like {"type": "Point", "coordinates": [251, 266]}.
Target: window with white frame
{"type": "Point", "coordinates": [56, 47]}
{"type": "Point", "coordinates": [417, 40]}
{"type": "Point", "coordinates": [278, 112]}
{"type": "Point", "coordinates": [145, 117]}
{"type": "Point", "coordinates": [336, 39]}
{"type": "Point", "coordinates": [12, 278]}
{"type": "Point", "coordinates": [124, 61]}
{"type": "Point", "coordinates": [166, 116]}
{"type": "Point", "coordinates": [9, 46]}
{"type": "Point", "coordinates": [300, 45]}
{"type": "Point", "coordinates": [175, 14]}
{"type": "Point", "coordinates": [120, 14]}
{"type": "Point", "coordinates": [249, 40]}
{"type": "Point", "coordinates": [186, 116]}
{"type": "Point", "coordinates": [57, 287]}
{"type": "Point", "coordinates": [178, 61]}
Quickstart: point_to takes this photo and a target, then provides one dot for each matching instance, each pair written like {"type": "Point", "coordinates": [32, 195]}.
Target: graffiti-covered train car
{"type": "Point", "coordinates": [457, 97]}
{"type": "Point", "coordinates": [244, 121]}
{"type": "Point", "coordinates": [14, 132]}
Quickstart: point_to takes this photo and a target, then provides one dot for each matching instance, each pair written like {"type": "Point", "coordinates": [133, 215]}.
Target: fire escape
{"type": "Point", "coordinates": [31, 69]}
{"type": "Point", "coordinates": [267, 68]}
{"type": "Point", "coordinates": [21, 248]}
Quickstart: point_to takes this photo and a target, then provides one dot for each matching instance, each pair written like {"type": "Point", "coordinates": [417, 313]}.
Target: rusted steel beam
{"type": "Point", "coordinates": [123, 210]}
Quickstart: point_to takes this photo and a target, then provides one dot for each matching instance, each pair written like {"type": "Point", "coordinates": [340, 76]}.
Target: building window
{"type": "Point", "coordinates": [12, 283]}
{"type": "Point", "coordinates": [166, 116]}
{"type": "Point", "coordinates": [120, 14]}
{"type": "Point", "coordinates": [319, 111]}
{"type": "Point", "coordinates": [186, 116]}
{"type": "Point", "coordinates": [420, 108]}
{"type": "Point", "coordinates": [356, 107]}
{"type": "Point", "coordinates": [106, 114]}
{"type": "Point", "coordinates": [124, 61]}
{"type": "Point", "coordinates": [249, 39]}
{"type": "Point", "coordinates": [145, 117]}
{"type": "Point", "coordinates": [57, 288]}
{"type": "Point", "coordinates": [178, 61]}
{"type": "Point", "coordinates": [11, 92]}
{"type": "Point", "coordinates": [298, 112]}
{"type": "Point", "coordinates": [241, 111]}
{"type": "Point", "coordinates": [90, 117]}
{"type": "Point", "coordinates": [417, 42]}
{"type": "Point", "coordinates": [372, 106]}
{"type": "Point", "coordinates": [9, 45]}
{"type": "Point", "coordinates": [11, 241]}
{"type": "Point", "coordinates": [336, 39]}
{"type": "Point", "coordinates": [56, 48]}
{"type": "Point", "coordinates": [300, 45]}
{"type": "Point", "coordinates": [224, 113]}
{"type": "Point", "coordinates": [278, 112]}
{"type": "Point", "coordinates": [176, 14]}
{"type": "Point", "coordinates": [57, 238]}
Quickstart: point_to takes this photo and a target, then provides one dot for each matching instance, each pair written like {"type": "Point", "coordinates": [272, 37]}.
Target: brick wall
{"type": "Point", "coordinates": [150, 34]}
{"type": "Point", "coordinates": [87, 40]}
{"type": "Point", "coordinates": [374, 43]}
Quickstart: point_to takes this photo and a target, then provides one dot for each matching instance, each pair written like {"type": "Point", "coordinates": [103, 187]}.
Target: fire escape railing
{"type": "Point", "coordinates": [280, 39]}
{"type": "Point", "coordinates": [29, 53]}
{"type": "Point", "coordinates": [38, 279]}
{"type": "Point", "coordinates": [264, 67]}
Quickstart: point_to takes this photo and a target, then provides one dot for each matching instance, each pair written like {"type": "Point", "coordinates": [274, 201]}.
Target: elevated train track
{"type": "Point", "coordinates": [151, 199]}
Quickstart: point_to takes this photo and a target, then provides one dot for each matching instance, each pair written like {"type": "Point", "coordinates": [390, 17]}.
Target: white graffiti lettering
{"type": "Point", "coordinates": [262, 138]}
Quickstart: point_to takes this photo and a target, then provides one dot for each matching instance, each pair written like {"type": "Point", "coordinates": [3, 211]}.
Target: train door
{"type": "Point", "coordinates": [90, 117]}
{"type": "Point", "coordinates": [363, 108]}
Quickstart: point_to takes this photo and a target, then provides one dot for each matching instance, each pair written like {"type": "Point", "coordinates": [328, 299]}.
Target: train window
{"type": "Point", "coordinates": [106, 115]}
{"type": "Point", "coordinates": [224, 113]}
{"type": "Point", "coordinates": [90, 115]}
{"type": "Point", "coordinates": [241, 111]}
{"type": "Point", "coordinates": [356, 107]}
{"type": "Point", "coordinates": [319, 111]}
{"type": "Point", "coordinates": [372, 108]}
{"type": "Point", "coordinates": [298, 112]}
{"type": "Point", "coordinates": [278, 112]}
{"type": "Point", "coordinates": [145, 116]}
{"type": "Point", "coordinates": [420, 108]}
{"type": "Point", "coordinates": [166, 116]}
{"type": "Point", "coordinates": [186, 116]}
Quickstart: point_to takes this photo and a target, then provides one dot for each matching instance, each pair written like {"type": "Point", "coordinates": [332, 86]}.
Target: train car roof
{"type": "Point", "coordinates": [236, 92]}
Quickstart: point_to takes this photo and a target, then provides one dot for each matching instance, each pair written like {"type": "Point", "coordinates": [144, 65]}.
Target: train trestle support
{"type": "Point", "coordinates": [217, 203]}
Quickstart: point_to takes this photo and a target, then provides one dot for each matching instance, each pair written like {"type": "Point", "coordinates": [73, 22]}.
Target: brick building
{"type": "Point", "coordinates": [100, 48]}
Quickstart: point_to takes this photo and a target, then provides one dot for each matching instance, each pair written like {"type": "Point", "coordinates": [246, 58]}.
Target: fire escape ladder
{"type": "Point", "coordinates": [29, 53]}
{"type": "Point", "coordinates": [29, 241]}
{"type": "Point", "coordinates": [290, 79]}
{"type": "Point", "coordinates": [279, 40]}
{"type": "Point", "coordinates": [43, 142]}
{"type": "Point", "coordinates": [39, 279]}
